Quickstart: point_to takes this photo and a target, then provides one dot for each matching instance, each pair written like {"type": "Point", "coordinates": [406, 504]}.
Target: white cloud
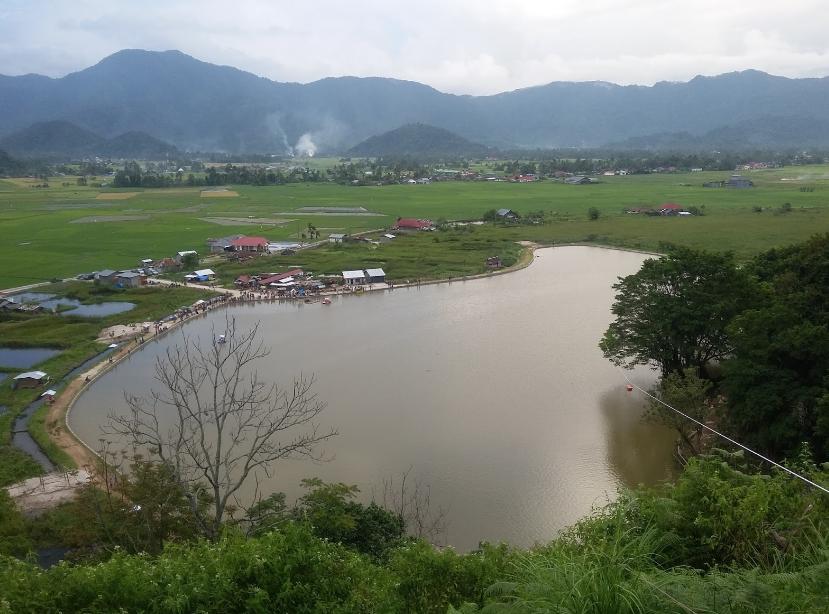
{"type": "Point", "coordinates": [460, 46]}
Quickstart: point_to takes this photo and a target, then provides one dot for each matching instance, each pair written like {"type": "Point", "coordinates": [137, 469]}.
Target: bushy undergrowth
{"type": "Point", "coordinates": [718, 540]}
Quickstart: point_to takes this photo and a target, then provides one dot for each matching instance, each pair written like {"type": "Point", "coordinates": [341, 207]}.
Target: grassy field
{"type": "Point", "coordinates": [61, 231]}
{"type": "Point", "coordinates": [419, 256]}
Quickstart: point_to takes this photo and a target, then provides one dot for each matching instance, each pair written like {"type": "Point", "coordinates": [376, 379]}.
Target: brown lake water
{"type": "Point", "coordinates": [493, 391]}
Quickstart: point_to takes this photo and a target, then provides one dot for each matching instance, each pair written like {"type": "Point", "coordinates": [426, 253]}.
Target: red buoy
{"type": "Point", "coordinates": [629, 387]}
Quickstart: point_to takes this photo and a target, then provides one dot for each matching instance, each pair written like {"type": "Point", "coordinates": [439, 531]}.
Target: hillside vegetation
{"type": "Point", "coordinates": [65, 140]}
{"type": "Point", "coordinates": [418, 141]}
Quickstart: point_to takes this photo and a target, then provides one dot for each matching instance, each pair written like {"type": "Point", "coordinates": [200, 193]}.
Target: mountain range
{"type": "Point", "coordinates": [198, 106]}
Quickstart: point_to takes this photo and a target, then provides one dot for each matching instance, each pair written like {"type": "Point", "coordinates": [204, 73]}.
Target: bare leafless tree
{"type": "Point", "coordinates": [217, 424]}
{"type": "Point", "coordinates": [411, 500]}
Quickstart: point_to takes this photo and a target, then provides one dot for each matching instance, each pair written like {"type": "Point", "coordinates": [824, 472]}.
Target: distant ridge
{"type": "Point", "coordinates": [62, 139]}
{"type": "Point", "coordinates": [8, 165]}
{"type": "Point", "coordinates": [204, 107]}
{"type": "Point", "coordinates": [761, 133]}
{"type": "Point", "coordinates": [418, 140]}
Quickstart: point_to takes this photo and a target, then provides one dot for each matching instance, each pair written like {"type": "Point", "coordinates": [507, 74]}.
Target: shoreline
{"type": "Point", "coordinates": [57, 419]}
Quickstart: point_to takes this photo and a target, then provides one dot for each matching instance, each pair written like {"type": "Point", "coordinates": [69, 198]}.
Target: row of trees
{"type": "Point", "coordinates": [758, 332]}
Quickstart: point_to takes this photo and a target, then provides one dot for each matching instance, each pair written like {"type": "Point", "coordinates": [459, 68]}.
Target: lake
{"type": "Point", "coordinates": [493, 391]}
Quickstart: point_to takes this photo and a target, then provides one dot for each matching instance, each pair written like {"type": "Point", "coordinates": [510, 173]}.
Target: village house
{"type": "Point", "coordinates": [408, 223]}
{"type": "Point", "coordinates": [30, 379]}
{"type": "Point", "coordinates": [130, 279]}
{"type": "Point", "coordinates": [107, 276]}
{"type": "Point", "coordinates": [180, 256]}
{"type": "Point", "coordinates": [249, 244]}
{"type": "Point", "coordinates": [243, 281]}
{"type": "Point", "coordinates": [337, 238]}
{"type": "Point", "coordinates": [376, 276]}
{"type": "Point", "coordinates": [739, 182]}
{"type": "Point", "coordinates": [201, 275]}
{"type": "Point", "coordinates": [222, 244]}
{"type": "Point", "coordinates": [354, 278]}
{"type": "Point", "coordinates": [507, 214]}
{"type": "Point", "coordinates": [280, 278]}
{"type": "Point", "coordinates": [167, 264]}
{"type": "Point", "coordinates": [578, 180]}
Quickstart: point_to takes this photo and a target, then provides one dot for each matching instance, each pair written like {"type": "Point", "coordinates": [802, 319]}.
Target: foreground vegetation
{"type": "Point", "coordinates": [722, 539]}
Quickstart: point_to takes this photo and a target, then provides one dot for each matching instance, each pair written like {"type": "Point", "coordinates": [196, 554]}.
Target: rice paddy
{"type": "Point", "coordinates": [41, 242]}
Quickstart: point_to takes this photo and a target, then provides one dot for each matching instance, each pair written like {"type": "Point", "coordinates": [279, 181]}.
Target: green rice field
{"type": "Point", "coordinates": [62, 231]}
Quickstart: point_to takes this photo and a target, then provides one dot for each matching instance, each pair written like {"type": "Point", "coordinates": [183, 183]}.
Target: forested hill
{"type": "Point", "coordinates": [63, 139]}
{"type": "Point", "coordinates": [8, 165]}
{"type": "Point", "coordinates": [204, 107]}
{"type": "Point", "coordinates": [420, 141]}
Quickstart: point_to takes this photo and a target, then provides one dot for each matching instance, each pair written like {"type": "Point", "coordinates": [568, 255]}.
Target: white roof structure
{"type": "Point", "coordinates": [49, 393]}
{"type": "Point", "coordinates": [204, 273]}
{"type": "Point", "coordinates": [376, 272]}
{"type": "Point", "coordinates": [187, 252]}
{"type": "Point", "coordinates": [354, 274]}
{"type": "Point", "coordinates": [31, 375]}
{"type": "Point", "coordinates": [390, 236]}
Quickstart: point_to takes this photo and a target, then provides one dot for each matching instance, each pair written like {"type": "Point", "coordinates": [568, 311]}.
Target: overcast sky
{"type": "Point", "coordinates": [458, 46]}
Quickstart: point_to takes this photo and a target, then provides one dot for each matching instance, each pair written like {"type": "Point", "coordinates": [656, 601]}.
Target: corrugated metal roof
{"type": "Point", "coordinates": [376, 272]}
{"type": "Point", "coordinates": [31, 375]}
{"type": "Point", "coordinates": [204, 272]}
{"type": "Point", "coordinates": [353, 274]}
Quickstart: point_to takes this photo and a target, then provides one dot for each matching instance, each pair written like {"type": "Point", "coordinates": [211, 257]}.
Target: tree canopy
{"type": "Point", "coordinates": [674, 311]}
{"type": "Point", "coordinates": [777, 379]}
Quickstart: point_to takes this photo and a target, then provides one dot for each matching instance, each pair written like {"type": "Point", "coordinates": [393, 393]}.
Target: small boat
{"type": "Point", "coordinates": [221, 339]}
{"type": "Point", "coordinates": [326, 301]}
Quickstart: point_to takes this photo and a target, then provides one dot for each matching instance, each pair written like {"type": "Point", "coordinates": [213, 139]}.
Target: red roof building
{"type": "Point", "coordinates": [250, 244]}
{"type": "Point", "coordinates": [408, 223]}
